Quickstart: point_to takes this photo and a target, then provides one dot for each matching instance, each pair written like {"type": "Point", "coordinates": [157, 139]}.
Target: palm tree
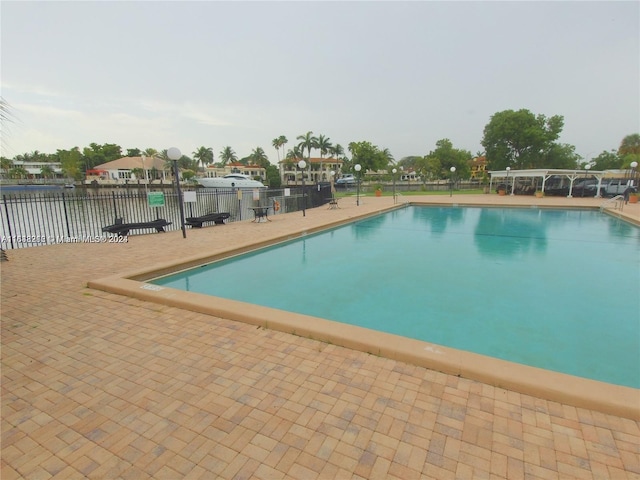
{"type": "Point", "coordinates": [283, 141]}
{"type": "Point", "coordinates": [227, 155]}
{"type": "Point", "coordinates": [259, 157]}
{"type": "Point", "coordinates": [47, 171]}
{"type": "Point", "coordinates": [387, 155]}
{"type": "Point", "coordinates": [308, 141]}
{"type": "Point", "coordinates": [276, 144]}
{"type": "Point", "coordinates": [5, 165]}
{"type": "Point", "coordinates": [323, 144]}
{"type": "Point", "coordinates": [204, 156]}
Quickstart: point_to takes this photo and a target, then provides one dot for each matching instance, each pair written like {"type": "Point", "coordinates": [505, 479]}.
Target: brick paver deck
{"type": "Point", "coordinates": [96, 385]}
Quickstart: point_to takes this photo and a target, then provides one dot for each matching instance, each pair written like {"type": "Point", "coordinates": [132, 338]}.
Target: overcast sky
{"type": "Point", "coordinates": [401, 75]}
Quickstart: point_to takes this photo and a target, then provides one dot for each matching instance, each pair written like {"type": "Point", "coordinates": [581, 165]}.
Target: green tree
{"type": "Point", "coordinates": [133, 152]}
{"type": "Point", "coordinates": [72, 163]}
{"type": "Point", "coordinates": [307, 141]}
{"type": "Point", "coordinates": [444, 157]}
{"type": "Point", "coordinates": [369, 156]}
{"type": "Point", "coordinates": [630, 144]}
{"type": "Point", "coordinates": [428, 167]}
{"type": "Point", "coordinates": [227, 155]}
{"type": "Point", "coordinates": [203, 156]}
{"type": "Point", "coordinates": [607, 161]}
{"type": "Point", "coordinates": [279, 143]}
{"type": "Point", "coordinates": [259, 157]}
{"type": "Point", "coordinates": [629, 150]}
{"type": "Point", "coordinates": [336, 151]}
{"type": "Point", "coordinates": [5, 165]}
{"type": "Point", "coordinates": [273, 176]}
{"type": "Point", "coordinates": [18, 172]}
{"type": "Point", "coordinates": [47, 171]}
{"type": "Point", "coordinates": [138, 173]}
{"type": "Point", "coordinates": [562, 155]}
{"type": "Point", "coordinates": [520, 139]}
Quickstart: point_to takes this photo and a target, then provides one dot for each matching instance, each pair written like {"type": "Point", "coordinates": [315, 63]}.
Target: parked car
{"type": "Point", "coordinates": [618, 186]}
{"type": "Point", "coordinates": [585, 188]}
{"type": "Point", "coordinates": [348, 179]}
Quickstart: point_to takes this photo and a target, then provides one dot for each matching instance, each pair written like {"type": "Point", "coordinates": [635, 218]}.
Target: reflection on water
{"type": "Point", "coordinates": [438, 219]}
{"type": "Point", "coordinates": [501, 232]}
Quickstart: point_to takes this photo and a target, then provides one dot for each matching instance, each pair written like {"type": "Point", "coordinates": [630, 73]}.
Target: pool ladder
{"type": "Point", "coordinates": [617, 202]}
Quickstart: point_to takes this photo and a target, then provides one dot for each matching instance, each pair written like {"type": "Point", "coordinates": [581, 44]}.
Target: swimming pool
{"type": "Point", "coordinates": [555, 289]}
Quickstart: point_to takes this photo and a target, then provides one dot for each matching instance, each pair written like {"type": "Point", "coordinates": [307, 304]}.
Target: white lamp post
{"type": "Point", "coordinates": [586, 173]}
{"type": "Point", "coordinates": [302, 165]}
{"type": "Point", "coordinates": [507, 186]}
{"type": "Point", "coordinates": [357, 168]}
{"type": "Point", "coordinates": [394, 171]}
{"type": "Point", "coordinates": [453, 170]}
{"type": "Point", "coordinates": [332, 177]}
{"type": "Point", "coordinates": [174, 154]}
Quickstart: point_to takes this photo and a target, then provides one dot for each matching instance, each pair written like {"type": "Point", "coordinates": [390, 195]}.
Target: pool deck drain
{"type": "Point", "coordinates": [99, 385]}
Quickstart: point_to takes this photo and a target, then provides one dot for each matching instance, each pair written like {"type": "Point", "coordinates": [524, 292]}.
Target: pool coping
{"type": "Point", "coordinates": [563, 388]}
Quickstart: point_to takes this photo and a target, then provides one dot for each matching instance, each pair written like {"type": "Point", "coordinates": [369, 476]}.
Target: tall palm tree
{"type": "Point", "coordinates": [203, 156]}
{"type": "Point", "coordinates": [259, 157]}
{"type": "Point", "coordinates": [294, 154]}
{"type": "Point", "coordinates": [283, 141]}
{"type": "Point", "coordinates": [323, 144]}
{"type": "Point", "coordinates": [386, 153]}
{"type": "Point", "coordinates": [227, 155]}
{"type": "Point", "coordinates": [336, 151]}
{"type": "Point", "coordinates": [276, 144]}
{"type": "Point", "coordinates": [308, 141]}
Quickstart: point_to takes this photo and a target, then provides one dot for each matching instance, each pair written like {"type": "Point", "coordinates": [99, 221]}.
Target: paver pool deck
{"type": "Point", "coordinates": [100, 385]}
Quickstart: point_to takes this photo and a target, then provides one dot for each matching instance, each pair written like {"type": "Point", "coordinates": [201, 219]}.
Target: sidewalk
{"type": "Point", "coordinates": [98, 385]}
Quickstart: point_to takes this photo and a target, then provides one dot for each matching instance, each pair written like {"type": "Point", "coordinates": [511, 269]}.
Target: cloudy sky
{"type": "Point", "coordinates": [401, 75]}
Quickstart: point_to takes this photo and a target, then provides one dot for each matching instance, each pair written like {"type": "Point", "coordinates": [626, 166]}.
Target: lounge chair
{"type": "Point", "coordinates": [122, 229]}
{"type": "Point", "coordinates": [217, 218]}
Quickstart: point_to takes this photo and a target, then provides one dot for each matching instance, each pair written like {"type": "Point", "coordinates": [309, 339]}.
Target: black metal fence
{"type": "Point", "coordinates": [41, 218]}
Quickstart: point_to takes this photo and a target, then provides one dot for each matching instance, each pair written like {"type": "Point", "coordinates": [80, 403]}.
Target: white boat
{"type": "Point", "coordinates": [232, 180]}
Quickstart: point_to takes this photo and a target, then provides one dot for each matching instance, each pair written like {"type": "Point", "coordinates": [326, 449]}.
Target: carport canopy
{"type": "Point", "coordinates": [546, 174]}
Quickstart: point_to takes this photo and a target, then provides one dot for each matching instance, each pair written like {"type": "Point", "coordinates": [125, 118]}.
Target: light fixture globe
{"type": "Point", "coordinates": [394, 171]}
{"type": "Point", "coordinates": [587, 167]}
{"type": "Point", "coordinates": [453, 169]}
{"type": "Point", "coordinates": [302, 164]}
{"type": "Point", "coordinates": [508, 169]}
{"type": "Point", "coordinates": [634, 164]}
{"type": "Point", "coordinates": [358, 167]}
{"type": "Point", "coordinates": [332, 173]}
{"type": "Point", "coordinates": [174, 153]}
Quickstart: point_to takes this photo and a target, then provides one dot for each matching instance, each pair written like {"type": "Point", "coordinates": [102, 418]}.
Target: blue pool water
{"type": "Point", "coordinates": [555, 289]}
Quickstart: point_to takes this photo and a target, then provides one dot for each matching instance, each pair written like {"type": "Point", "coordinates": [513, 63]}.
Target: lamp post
{"type": "Point", "coordinates": [332, 178]}
{"type": "Point", "coordinates": [394, 171]}
{"type": "Point", "coordinates": [586, 172]}
{"type": "Point", "coordinates": [302, 165]}
{"type": "Point", "coordinates": [633, 166]}
{"type": "Point", "coordinates": [453, 170]}
{"type": "Point", "coordinates": [174, 154]}
{"type": "Point", "coordinates": [507, 185]}
{"type": "Point", "coordinates": [357, 168]}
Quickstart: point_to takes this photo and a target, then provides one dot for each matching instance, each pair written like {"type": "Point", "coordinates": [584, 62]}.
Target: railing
{"type": "Point", "coordinates": [617, 202]}
{"type": "Point", "coordinates": [32, 219]}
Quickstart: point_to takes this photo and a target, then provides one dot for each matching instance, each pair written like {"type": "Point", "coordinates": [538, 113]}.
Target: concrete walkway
{"type": "Point", "coordinates": [97, 385]}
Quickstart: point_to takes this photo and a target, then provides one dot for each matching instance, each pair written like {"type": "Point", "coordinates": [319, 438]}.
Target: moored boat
{"type": "Point", "coordinates": [232, 180]}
